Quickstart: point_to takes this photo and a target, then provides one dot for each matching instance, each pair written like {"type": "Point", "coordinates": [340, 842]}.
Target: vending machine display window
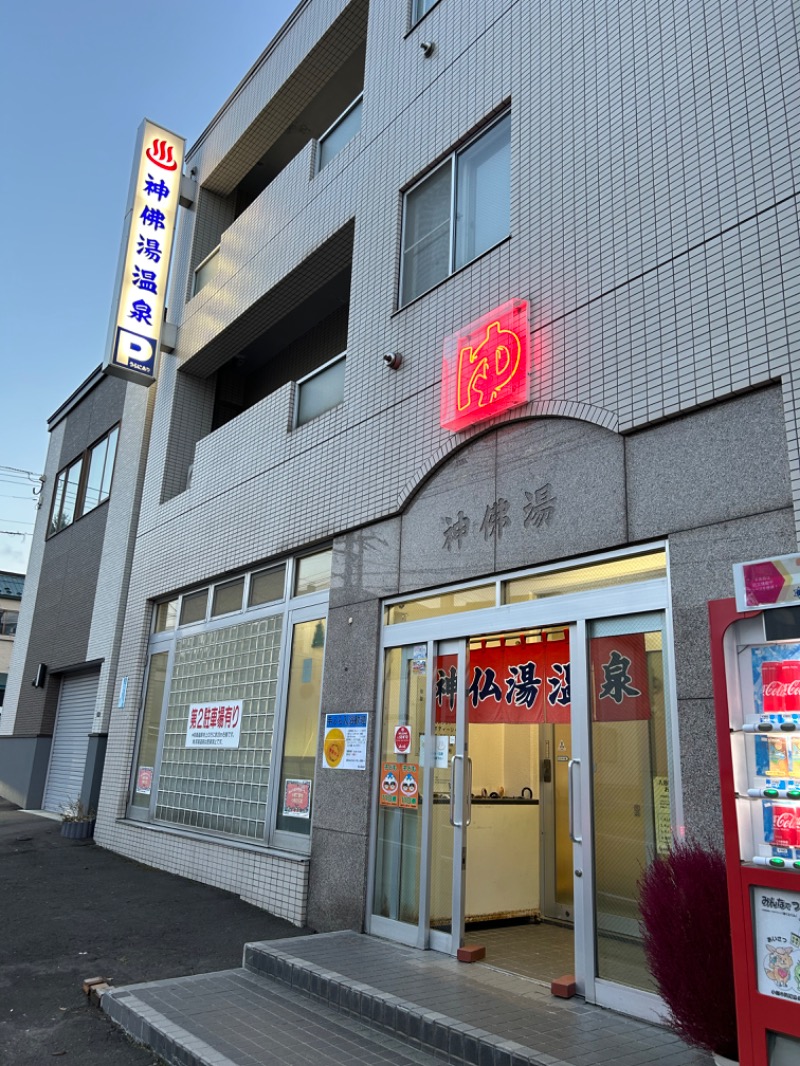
{"type": "Point", "coordinates": [756, 674]}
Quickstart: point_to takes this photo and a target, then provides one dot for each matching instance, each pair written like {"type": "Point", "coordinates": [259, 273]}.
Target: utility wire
{"type": "Point", "coordinates": [16, 470]}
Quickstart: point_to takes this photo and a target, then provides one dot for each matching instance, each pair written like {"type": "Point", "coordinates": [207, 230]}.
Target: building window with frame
{"type": "Point", "coordinates": [340, 133]}
{"type": "Point", "coordinates": [85, 483]}
{"type": "Point", "coordinates": [320, 390]}
{"type": "Point", "coordinates": [458, 211]}
{"type": "Point", "coordinates": [420, 8]}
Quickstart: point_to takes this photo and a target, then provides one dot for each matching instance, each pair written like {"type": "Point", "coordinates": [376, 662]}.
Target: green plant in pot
{"type": "Point", "coordinates": [77, 820]}
{"type": "Point", "coordinates": [683, 898]}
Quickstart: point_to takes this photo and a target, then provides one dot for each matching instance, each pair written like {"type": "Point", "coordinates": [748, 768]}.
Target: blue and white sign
{"type": "Point", "coordinates": [141, 291]}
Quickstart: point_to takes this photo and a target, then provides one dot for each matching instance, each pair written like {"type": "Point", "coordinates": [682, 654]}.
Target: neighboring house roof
{"type": "Point", "coordinates": [11, 585]}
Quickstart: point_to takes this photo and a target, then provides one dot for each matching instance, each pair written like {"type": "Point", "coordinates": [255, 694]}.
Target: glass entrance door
{"type": "Point", "coordinates": [630, 788]}
{"type": "Point", "coordinates": [525, 778]}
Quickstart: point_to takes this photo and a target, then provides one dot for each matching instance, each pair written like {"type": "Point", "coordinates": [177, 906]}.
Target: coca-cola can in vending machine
{"type": "Point", "coordinates": [790, 676]}
{"type": "Point", "coordinates": [773, 687]}
{"type": "Point", "coordinates": [784, 826]}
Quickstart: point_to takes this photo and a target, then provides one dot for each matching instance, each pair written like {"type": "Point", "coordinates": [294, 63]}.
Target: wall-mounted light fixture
{"type": "Point", "coordinates": [41, 674]}
{"type": "Point", "coordinates": [393, 360]}
{"type": "Point", "coordinates": [427, 48]}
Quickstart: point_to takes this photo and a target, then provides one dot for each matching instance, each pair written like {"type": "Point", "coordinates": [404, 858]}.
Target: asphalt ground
{"type": "Point", "coordinates": [70, 910]}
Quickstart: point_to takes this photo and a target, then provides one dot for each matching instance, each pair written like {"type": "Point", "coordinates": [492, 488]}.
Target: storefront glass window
{"type": "Point", "coordinates": [647, 567]}
{"type": "Point", "coordinates": [228, 597]}
{"type": "Point", "coordinates": [166, 616]}
{"type": "Point", "coordinates": [193, 607]}
{"type": "Point", "coordinates": [267, 586]}
{"type": "Point", "coordinates": [397, 868]}
{"type": "Point", "coordinates": [151, 724]}
{"type": "Point", "coordinates": [313, 573]}
{"type": "Point", "coordinates": [223, 789]}
{"type": "Point", "coordinates": [301, 729]}
{"type": "Point", "coordinates": [443, 603]}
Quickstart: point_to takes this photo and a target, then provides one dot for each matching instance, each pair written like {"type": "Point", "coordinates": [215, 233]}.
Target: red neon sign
{"type": "Point", "coordinates": [485, 369]}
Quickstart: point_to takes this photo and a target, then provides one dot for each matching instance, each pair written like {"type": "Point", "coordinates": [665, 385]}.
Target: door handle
{"type": "Point", "coordinates": [468, 790]}
{"type": "Point", "coordinates": [456, 824]}
{"type": "Point", "coordinates": [573, 836]}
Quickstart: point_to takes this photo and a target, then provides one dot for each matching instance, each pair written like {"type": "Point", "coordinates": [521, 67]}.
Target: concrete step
{"type": "Point", "coordinates": [414, 1025]}
{"type": "Point", "coordinates": [350, 999]}
{"type": "Point", "coordinates": [468, 1015]}
{"type": "Point", "coordinates": [234, 1018]}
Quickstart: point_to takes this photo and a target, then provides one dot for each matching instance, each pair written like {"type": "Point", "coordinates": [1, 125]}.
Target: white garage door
{"type": "Point", "coordinates": [70, 740]}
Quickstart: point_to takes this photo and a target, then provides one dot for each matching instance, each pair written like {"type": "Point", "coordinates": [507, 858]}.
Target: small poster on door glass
{"type": "Point", "coordinates": [297, 798]}
{"type": "Point", "coordinates": [402, 739]}
{"type": "Point", "coordinates": [419, 660]}
{"type": "Point", "coordinates": [776, 929]}
{"type": "Point", "coordinates": [344, 746]}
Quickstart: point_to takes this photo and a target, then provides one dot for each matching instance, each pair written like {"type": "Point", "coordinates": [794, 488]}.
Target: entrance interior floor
{"type": "Point", "coordinates": [540, 952]}
{"type": "Point", "coordinates": [543, 952]}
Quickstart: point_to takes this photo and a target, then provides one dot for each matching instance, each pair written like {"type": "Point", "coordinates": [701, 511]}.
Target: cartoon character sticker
{"type": "Point", "coordinates": [778, 964]}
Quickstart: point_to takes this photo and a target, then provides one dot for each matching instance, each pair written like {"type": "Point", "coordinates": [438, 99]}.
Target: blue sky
{"type": "Point", "coordinates": [76, 79]}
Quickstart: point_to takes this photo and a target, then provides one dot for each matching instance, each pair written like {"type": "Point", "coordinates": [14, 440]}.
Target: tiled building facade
{"type": "Point", "coordinates": [628, 170]}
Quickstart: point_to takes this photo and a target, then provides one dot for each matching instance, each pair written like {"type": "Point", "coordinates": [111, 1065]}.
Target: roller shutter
{"type": "Point", "coordinates": [74, 717]}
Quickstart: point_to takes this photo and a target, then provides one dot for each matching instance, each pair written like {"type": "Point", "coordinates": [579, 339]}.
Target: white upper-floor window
{"type": "Point", "coordinates": [340, 133]}
{"type": "Point", "coordinates": [458, 211]}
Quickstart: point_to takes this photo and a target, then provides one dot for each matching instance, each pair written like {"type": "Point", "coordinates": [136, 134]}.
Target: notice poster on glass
{"type": "Point", "coordinates": [776, 929]}
{"type": "Point", "coordinates": [297, 797]}
{"type": "Point", "coordinates": [214, 725]}
{"type": "Point", "coordinates": [399, 784]}
{"type": "Point", "coordinates": [344, 746]}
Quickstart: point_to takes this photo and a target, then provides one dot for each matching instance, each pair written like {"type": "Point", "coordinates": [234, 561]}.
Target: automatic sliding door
{"type": "Point", "coordinates": [630, 783]}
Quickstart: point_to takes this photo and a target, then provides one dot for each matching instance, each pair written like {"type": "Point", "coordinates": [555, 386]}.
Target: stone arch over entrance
{"type": "Point", "coordinates": [527, 492]}
{"type": "Point", "coordinates": [583, 412]}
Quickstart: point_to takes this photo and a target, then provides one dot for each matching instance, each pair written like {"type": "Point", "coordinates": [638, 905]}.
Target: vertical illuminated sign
{"type": "Point", "coordinates": [485, 369]}
{"type": "Point", "coordinates": [138, 310]}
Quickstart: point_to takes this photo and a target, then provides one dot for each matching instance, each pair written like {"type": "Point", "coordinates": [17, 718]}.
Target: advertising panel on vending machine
{"type": "Point", "coordinates": [755, 659]}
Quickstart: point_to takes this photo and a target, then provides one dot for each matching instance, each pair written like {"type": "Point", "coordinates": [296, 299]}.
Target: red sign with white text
{"type": "Point", "coordinates": [509, 683]}
{"type": "Point", "coordinates": [620, 682]}
{"type": "Point", "coordinates": [486, 366]}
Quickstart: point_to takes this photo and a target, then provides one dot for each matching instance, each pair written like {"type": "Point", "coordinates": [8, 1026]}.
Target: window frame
{"type": "Point", "coordinates": [451, 160]}
{"type": "Point", "coordinates": [84, 461]}
{"type": "Point", "coordinates": [294, 608]}
{"type": "Point", "coordinates": [201, 266]}
{"type": "Point", "coordinates": [357, 102]}
{"type": "Point", "coordinates": [296, 423]}
{"type": "Point", "coordinates": [416, 15]}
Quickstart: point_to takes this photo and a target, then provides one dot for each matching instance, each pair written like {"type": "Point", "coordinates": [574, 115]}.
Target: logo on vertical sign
{"type": "Point", "coordinates": [160, 153]}
{"type": "Point", "coordinates": [486, 367]}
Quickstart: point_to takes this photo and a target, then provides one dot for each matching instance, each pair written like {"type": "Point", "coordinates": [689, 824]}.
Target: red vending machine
{"type": "Point", "coordinates": [755, 657]}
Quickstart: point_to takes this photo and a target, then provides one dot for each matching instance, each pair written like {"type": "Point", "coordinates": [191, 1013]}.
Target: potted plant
{"type": "Point", "coordinates": [77, 821]}
{"type": "Point", "coordinates": [683, 898]}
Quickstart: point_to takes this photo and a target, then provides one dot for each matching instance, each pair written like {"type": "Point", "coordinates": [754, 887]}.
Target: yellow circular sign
{"type": "Point", "coordinates": [334, 747]}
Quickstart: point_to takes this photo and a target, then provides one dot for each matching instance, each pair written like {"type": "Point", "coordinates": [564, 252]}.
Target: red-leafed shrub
{"type": "Point", "coordinates": [683, 898]}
